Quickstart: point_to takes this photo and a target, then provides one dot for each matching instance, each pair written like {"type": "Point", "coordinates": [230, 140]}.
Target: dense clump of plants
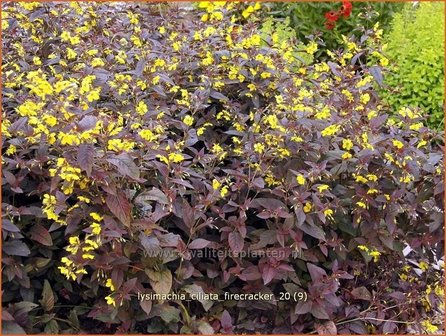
{"type": "Point", "coordinates": [416, 50]}
{"type": "Point", "coordinates": [134, 138]}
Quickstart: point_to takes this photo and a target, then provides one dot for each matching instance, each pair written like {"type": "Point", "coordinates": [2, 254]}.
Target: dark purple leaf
{"type": "Point", "coordinates": [361, 293]}
{"type": "Point", "coordinates": [120, 207]}
{"type": "Point", "coordinates": [316, 272]}
{"type": "Point", "coordinates": [16, 247]}
{"type": "Point", "coordinates": [198, 244]}
{"type": "Point", "coordinates": [125, 165]}
{"type": "Point", "coordinates": [85, 157]}
{"type": "Point", "coordinates": [236, 241]}
{"type": "Point", "coordinates": [41, 235]}
{"type": "Point", "coordinates": [268, 274]}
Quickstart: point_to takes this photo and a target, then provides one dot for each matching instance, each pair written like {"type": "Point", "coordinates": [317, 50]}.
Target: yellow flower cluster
{"type": "Point", "coordinates": [30, 109]}
{"type": "Point", "coordinates": [172, 157]}
{"type": "Point", "coordinates": [38, 84]}
{"type": "Point", "coordinates": [371, 252]}
{"type": "Point", "coordinates": [250, 10]}
{"type": "Point", "coordinates": [119, 145]}
{"type": "Point", "coordinates": [330, 130]}
{"type": "Point", "coordinates": [429, 327]}
{"type": "Point", "coordinates": [217, 185]}
{"type": "Point", "coordinates": [49, 202]}
{"type": "Point", "coordinates": [109, 298]}
{"type": "Point", "coordinates": [70, 175]}
{"type": "Point", "coordinates": [91, 242]}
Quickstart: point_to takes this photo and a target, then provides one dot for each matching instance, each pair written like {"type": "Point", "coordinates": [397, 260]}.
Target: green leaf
{"type": "Point", "coordinates": [161, 281]}
{"type": "Point", "coordinates": [52, 327]}
{"type": "Point", "coordinates": [169, 314]}
{"type": "Point", "coordinates": [47, 300]}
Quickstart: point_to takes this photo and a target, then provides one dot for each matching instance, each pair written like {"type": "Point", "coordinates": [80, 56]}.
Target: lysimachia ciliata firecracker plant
{"type": "Point", "coordinates": [133, 138]}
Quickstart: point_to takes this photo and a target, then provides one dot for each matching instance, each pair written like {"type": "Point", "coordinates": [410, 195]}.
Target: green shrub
{"type": "Point", "coordinates": [416, 49]}
{"type": "Point", "coordinates": [132, 140]}
{"type": "Point", "coordinates": [308, 18]}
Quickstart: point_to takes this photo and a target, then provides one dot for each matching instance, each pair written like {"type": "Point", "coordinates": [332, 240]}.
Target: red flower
{"type": "Point", "coordinates": [332, 16]}
{"type": "Point", "coordinates": [346, 9]}
{"type": "Point", "coordinates": [330, 24]}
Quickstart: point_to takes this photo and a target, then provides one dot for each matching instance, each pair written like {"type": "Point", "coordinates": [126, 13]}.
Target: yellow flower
{"type": "Point", "coordinates": [403, 276]}
{"type": "Point", "coordinates": [361, 204]}
{"type": "Point", "coordinates": [97, 62]}
{"type": "Point", "coordinates": [308, 207]}
{"type": "Point", "coordinates": [96, 216]}
{"type": "Point", "coordinates": [36, 60]}
{"type": "Point", "coordinates": [300, 179]}
{"type": "Point", "coordinates": [224, 191]}
{"type": "Point", "coordinates": [92, 243]}
{"type": "Point", "coordinates": [176, 157]}
{"type": "Point", "coordinates": [323, 187]}
{"type": "Point", "coordinates": [200, 131]}
{"type": "Point", "coordinates": [430, 328]}
{"type": "Point", "coordinates": [363, 248]}
{"type": "Point", "coordinates": [347, 144]}
{"type": "Point", "coordinates": [375, 254]}
{"type": "Point", "coordinates": [215, 184]}
{"type": "Point", "coordinates": [328, 213]}
{"type": "Point", "coordinates": [120, 145]}
{"type": "Point", "coordinates": [110, 301]}
{"type": "Point", "coordinates": [422, 143]}
{"type": "Point", "coordinates": [50, 120]}
{"type": "Point", "coordinates": [148, 135]}
{"type": "Point", "coordinates": [398, 144]}
{"type": "Point", "coordinates": [71, 54]}
{"type": "Point", "coordinates": [216, 148]}
{"type": "Point", "coordinates": [29, 109]}
{"type": "Point", "coordinates": [251, 9]}
{"type": "Point", "coordinates": [11, 150]}
{"type": "Point", "coordinates": [141, 108]}
{"type": "Point", "coordinates": [372, 114]}
{"type": "Point", "coordinates": [365, 98]}
{"type": "Point", "coordinates": [346, 156]}
{"type": "Point", "coordinates": [265, 75]}
{"type": "Point", "coordinates": [259, 148]}
{"type": "Point", "coordinates": [83, 199]}
{"type": "Point", "coordinates": [68, 139]}
{"type": "Point", "coordinates": [311, 48]}
{"type": "Point", "coordinates": [109, 284]}
{"type": "Point", "coordinates": [94, 95]}
{"type": "Point", "coordinates": [423, 266]}
{"type": "Point", "coordinates": [188, 120]}
{"type": "Point", "coordinates": [416, 126]}
{"type": "Point", "coordinates": [96, 228]}
{"type": "Point", "coordinates": [348, 95]}
{"type": "Point", "coordinates": [87, 256]}
{"type": "Point", "coordinates": [330, 130]}
{"type": "Point", "coordinates": [66, 261]}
